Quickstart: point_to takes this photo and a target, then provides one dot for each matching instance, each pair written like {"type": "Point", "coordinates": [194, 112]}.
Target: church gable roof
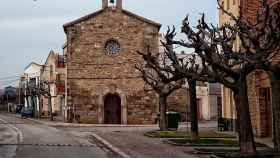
{"type": "Point", "coordinates": [92, 15]}
{"type": "Point", "coordinates": [84, 18]}
{"type": "Point", "coordinates": [141, 18]}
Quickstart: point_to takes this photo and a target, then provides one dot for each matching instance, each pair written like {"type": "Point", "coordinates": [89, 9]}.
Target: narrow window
{"type": "Point", "coordinates": [227, 5]}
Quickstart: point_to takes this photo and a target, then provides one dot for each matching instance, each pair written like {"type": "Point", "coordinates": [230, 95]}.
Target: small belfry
{"type": "Point", "coordinates": [112, 3]}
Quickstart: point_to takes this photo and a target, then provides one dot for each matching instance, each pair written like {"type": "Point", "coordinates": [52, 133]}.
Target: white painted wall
{"type": "Point", "coordinates": [32, 71]}
{"type": "Point", "coordinates": [202, 94]}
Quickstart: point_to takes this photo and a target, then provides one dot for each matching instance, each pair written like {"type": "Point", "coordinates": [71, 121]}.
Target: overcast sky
{"type": "Point", "coordinates": [30, 29]}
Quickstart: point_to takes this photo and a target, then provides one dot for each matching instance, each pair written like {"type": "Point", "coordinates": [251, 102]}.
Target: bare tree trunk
{"type": "Point", "coordinates": [193, 110]}
{"type": "Point", "coordinates": [163, 108]}
{"type": "Point", "coordinates": [275, 87]}
{"type": "Point", "coordinates": [50, 106]}
{"type": "Point", "coordinates": [50, 101]}
{"type": "Point", "coordinates": [246, 137]}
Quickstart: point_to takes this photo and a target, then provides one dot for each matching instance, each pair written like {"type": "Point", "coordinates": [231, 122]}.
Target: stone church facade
{"type": "Point", "coordinates": [103, 85]}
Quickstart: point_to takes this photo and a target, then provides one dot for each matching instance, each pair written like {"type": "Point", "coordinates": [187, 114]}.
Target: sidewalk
{"type": "Point", "coordinates": [266, 141]}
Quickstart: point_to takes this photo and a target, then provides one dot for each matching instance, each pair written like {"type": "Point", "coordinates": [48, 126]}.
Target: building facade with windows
{"type": "Point", "coordinates": [53, 73]}
{"type": "Point", "coordinates": [30, 80]}
{"type": "Point", "coordinates": [259, 91]}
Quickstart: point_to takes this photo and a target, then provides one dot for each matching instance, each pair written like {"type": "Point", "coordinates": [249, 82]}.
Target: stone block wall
{"type": "Point", "coordinates": [92, 74]}
{"type": "Point", "coordinates": [178, 101]}
{"type": "Point", "coordinates": [142, 107]}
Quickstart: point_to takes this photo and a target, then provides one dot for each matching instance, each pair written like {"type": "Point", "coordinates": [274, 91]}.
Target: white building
{"type": "Point", "coordinates": [208, 95]}
{"type": "Point", "coordinates": [32, 77]}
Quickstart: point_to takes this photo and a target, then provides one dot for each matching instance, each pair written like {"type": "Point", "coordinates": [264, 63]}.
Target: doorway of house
{"type": "Point", "coordinates": [265, 111]}
{"type": "Point", "coordinates": [112, 109]}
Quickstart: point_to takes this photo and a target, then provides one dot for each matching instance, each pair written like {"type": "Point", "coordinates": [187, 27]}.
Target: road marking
{"type": "Point", "coordinates": [110, 146]}
{"type": "Point", "coordinates": [18, 131]}
{"type": "Point", "coordinates": [50, 145]}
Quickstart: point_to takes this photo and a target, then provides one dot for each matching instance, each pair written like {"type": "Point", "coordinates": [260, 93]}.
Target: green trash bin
{"type": "Point", "coordinates": [173, 119]}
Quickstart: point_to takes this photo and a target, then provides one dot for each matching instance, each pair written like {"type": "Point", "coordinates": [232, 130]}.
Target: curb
{"type": "Point", "coordinates": [84, 125]}
{"type": "Point", "coordinates": [168, 141]}
{"type": "Point", "coordinates": [110, 146]}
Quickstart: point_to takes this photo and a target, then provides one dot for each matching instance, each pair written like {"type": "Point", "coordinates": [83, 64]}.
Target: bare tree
{"type": "Point", "coordinates": [162, 82]}
{"type": "Point", "coordinates": [214, 45]}
{"type": "Point", "coordinates": [193, 69]}
{"type": "Point", "coordinates": [42, 89]}
{"type": "Point", "coordinates": [260, 41]}
{"type": "Point", "coordinates": [186, 68]}
{"type": "Point", "coordinates": [259, 45]}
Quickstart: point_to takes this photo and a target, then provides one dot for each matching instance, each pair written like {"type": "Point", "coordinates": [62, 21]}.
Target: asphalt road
{"type": "Point", "coordinates": [21, 138]}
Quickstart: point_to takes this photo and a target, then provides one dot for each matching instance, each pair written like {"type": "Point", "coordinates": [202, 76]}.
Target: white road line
{"type": "Point", "coordinates": [112, 147]}
{"type": "Point", "coordinates": [19, 133]}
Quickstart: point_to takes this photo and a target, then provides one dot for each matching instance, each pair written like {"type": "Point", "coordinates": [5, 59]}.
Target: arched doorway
{"type": "Point", "coordinates": [112, 109]}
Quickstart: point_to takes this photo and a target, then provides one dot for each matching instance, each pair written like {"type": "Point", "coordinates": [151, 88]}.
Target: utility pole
{"type": "Point", "coordinates": [19, 92]}
{"type": "Point", "coordinates": [50, 100]}
{"type": "Point", "coordinates": [7, 97]}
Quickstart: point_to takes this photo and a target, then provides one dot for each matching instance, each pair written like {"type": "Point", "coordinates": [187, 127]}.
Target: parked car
{"type": "Point", "coordinates": [18, 108]}
{"type": "Point", "coordinates": [27, 112]}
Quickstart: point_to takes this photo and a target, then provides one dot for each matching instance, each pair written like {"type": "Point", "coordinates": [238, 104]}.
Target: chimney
{"type": "Point", "coordinates": [119, 4]}
{"type": "Point", "coordinates": [104, 4]}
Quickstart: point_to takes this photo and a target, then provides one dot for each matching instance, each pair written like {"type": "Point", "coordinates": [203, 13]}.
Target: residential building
{"type": "Point", "coordinates": [31, 78]}
{"type": "Point", "coordinates": [259, 91]}
{"type": "Point", "coordinates": [11, 97]}
{"type": "Point", "coordinates": [53, 73]}
{"type": "Point", "coordinates": [103, 85]}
